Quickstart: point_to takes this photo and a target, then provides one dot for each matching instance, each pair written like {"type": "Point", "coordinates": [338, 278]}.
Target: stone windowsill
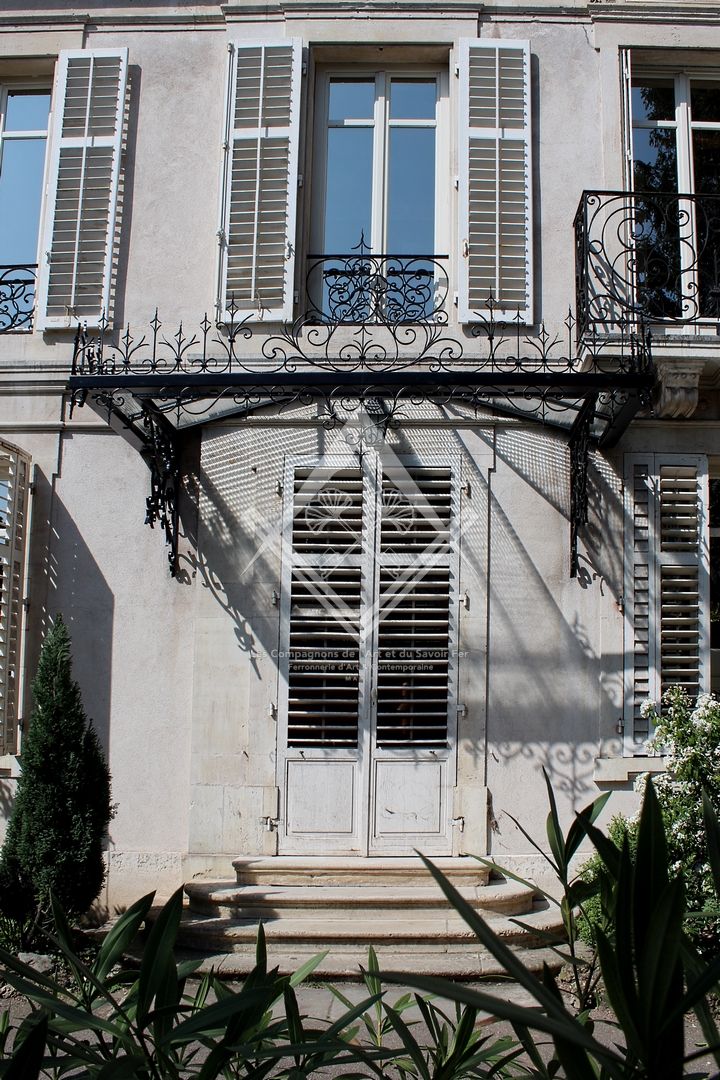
{"type": "Point", "coordinates": [620, 770]}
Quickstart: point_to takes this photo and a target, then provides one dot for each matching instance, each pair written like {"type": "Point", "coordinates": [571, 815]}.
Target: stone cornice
{"type": "Point", "coordinates": [654, 11]}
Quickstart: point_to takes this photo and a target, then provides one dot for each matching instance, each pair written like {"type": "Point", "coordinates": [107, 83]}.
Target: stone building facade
{"type": "Point", "coordinates": [399, 325]}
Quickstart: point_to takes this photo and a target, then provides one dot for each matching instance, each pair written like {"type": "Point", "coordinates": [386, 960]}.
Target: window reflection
{"type": "Point", "coordinates": [23, 138]}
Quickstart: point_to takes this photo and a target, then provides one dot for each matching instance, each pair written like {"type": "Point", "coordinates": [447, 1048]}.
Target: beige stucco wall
{"type": "Point", "coordinates": [180, 675]}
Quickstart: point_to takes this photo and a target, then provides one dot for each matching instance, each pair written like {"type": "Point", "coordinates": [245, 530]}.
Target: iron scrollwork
{"type": "Point", "coordinates": [161, 505]}
{"type": "Point", "coordinates": [17, 297]}
{"type": "Point", "coordinates": [650, 256]}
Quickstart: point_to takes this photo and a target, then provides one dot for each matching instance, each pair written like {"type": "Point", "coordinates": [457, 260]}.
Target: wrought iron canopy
{"type": "Point", "coordinates": [155, 387]}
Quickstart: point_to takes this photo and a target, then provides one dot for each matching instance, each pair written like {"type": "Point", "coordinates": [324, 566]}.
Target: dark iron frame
{"type": "Point", "coordinates": [155, 387]}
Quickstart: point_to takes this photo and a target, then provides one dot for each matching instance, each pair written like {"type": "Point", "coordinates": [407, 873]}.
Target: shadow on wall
{"type": "Point", "coordinates": [78, 590]}
{"type": "Point", "coordinates": [551, 678]}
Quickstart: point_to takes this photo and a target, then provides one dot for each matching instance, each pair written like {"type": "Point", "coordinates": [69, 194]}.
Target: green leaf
{"type": "Point", "coordinates": [512, 964]}
{"type": "Point", "coordinates": [215, 1016]}
{"type": "Point", "coordinates": [125, 1068]}
{"type": "Point", "coordinates": [621, 996]}
{"type": "Point", "coordinates": [515, 877]}
{"type": "Point", "coordinates": [158, 954]}
{"type": "Point", "coordinates": [27, 1058]}
{"type": "Point", "coordinates": [554, 832]}
{"type": "Point", "coordinates": [409, 1042]}
{"type": "Point", "coordinates": [306, 969]}
{"type": "Point", "coordinates": [561, 1023]}
{"type": "Point", "coordinates": [121, 935]}
{"type": "Point", "coordinates": [577, 830]}
{"type": "Point", "coordinates": [261, 950]}
{"type": "Point", "coordinates": [606, 849]}
{"type": "Point", "coordinates": [694, 966]}
{"type": "Point", "coordinates": [651, 865]}
{"type": "Point", "coordinates": [658, 960]}
{"type": "Point", "coordinates": [712, 833]}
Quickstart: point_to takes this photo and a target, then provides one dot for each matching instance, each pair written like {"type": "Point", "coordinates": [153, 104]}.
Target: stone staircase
{"type": "Point", "coordinates": [309, 905]}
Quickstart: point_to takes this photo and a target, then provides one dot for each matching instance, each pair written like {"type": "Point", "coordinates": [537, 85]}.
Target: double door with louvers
{"type": "Point", "coordinates": [367, 706]}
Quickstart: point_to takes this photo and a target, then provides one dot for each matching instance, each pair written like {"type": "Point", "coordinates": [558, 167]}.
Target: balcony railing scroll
{"type": "Point", "coordinates": [360, 288]}
{"type": "Point", "coordinates": [647, 258]}
{"type": "Point", "coordinates": [17, 297]}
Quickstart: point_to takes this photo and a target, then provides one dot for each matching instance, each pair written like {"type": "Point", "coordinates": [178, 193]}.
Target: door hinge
{"type": "Point", "coordinates": [458, 823]}
{"type": "Point", "coordinates": [271, 823]}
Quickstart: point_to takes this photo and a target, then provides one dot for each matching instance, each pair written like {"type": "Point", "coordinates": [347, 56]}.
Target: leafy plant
{"type": "Point", "coordinates": [62, 807]}
{"type": "Point", "coordinates": [113, 1022]}
{"type": "Point", "coordinates": [594, 873]}
{"type": "Point", "coordinates": [652, 974]}
{"type": "Point", "coordinates": [576, 892]}
{"type": "Point", "coordinates": [689, 736]}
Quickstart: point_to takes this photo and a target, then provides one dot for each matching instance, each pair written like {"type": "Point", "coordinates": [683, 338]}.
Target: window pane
{"type": "Point", "coordinates": [705, 101]}
{"type": "Point", "coordinates": [654, 159]}
{"type": "Point", "coordinates": [351, 99]}
{"type": "Point", "coordinates": [411, 192]}
{"type": "Point", "coordinates": [21, 177]}
{"type": "Point", "coordinates": [27, 110]}
{"type": "Point", "coordinates": [348, 197]}
{"type": "Point", "coordinates": [653, 99]}
{"type": "Point", "coordinates": [706, 161]}
{"type": "Point", "coordinates": [413, 99]}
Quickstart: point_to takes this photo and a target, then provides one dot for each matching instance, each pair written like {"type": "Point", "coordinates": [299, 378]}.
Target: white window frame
{"type": "Point", "coordinates": [381, 125]}
{"type": "Point", "coordinates": [682, 123]}
{"type": "Point", "coordinates": [8, 86]}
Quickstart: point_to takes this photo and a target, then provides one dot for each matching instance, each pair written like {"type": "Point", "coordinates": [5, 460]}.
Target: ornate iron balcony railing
{"type": "Point", "coordinates": [17, 297]}
{"type": "Point", "coordinates": [395, 290]}
{"type": "Point", "coordinates": [650, 257]}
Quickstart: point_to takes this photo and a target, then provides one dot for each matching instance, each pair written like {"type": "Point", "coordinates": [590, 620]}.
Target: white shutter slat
{"type": "Point", "coordinates": [326, 601]}
{"type": "Point", "coordinates": [414, 607]}
{"type": "Point", "coordinates": [258, 207]}
{"type": "Point", "coordinates": [667, 583]}
{"type": "Point", "coordinates": [76, 275]}
{"type": "Point", "coordinates": [495, 179]}
{"type": "Point", "coordinates": [14, 492]}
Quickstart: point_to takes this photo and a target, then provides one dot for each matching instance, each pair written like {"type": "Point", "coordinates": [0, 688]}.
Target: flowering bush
{"type": "Point", "coordinates": [689, 737]}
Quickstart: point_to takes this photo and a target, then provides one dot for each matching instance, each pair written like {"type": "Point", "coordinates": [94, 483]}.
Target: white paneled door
{"type": "Point", "coordinates": [367, 709]}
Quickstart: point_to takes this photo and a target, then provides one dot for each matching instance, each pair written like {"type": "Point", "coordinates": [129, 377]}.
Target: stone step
{"type": "Point", "coordinates": [337, 901]}
{"type": "Point", "coordinates": [363, 872]}
{"type": "Point", "coordinates": [466, 966]}
{"type": "Point", "coordinates": [441, 933]}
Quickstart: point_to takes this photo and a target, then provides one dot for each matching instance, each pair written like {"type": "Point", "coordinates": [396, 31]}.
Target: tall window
{"type": "Point", "coordinates": [376, 186]}
{"type": "Point", "coordinates": [23, 142]}
{"type": "Point", "coordinates": [675, 152]}
{"type": "Point", "coordinates": [378, 153]}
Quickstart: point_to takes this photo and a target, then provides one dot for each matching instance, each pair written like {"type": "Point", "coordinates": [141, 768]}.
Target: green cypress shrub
{"type": "Point", "coordinates": [62, 807]}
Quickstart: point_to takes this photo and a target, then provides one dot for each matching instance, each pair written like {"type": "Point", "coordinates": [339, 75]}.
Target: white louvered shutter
{"type": "Point", "coordinates": [77, 260]}
{"type": "Point", "coordinates": [327, 596]}
{"type": "Point", "coordinates": [416, 581]}
{"type": "Point", "coordinates": [667, 583]}
{"type": "Point", "coordinates": [260, 178]}
{"type": "Point", "coordinates": [14, 493]}
{"type": "Point", "coordinates": [495, 234]}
